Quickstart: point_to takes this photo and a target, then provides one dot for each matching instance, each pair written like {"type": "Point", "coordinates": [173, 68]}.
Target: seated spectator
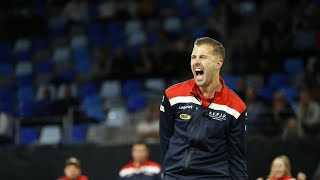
{"type": "Point", "coordinates": [68, 101]}
{"type": "Point", "coordinates": [281, 170]}
{"type": "Point", "coordinates": [278, 116]}
{"type": "Point", "coordinates": [308, 113]}
{"type": "Point", "coordinates": [45, 106]}
{"type": "Point", "coordinates": [72, 170]}
{"type": "Point", "coordinates": [76, 11]}
{"type": "Point", "coordinates": [6, 128]}
{"type": "Point", "coordinates": [144, 64]}
{"type": "Point", "coordinates": [140, 167]}
{"type": "Point", "coordinates": [147, 130]}
{"type": "Point", "coordinates": [255, 109]}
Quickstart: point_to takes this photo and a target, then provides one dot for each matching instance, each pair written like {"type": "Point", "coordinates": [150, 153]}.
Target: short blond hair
{"type": "Point", "coordinates": [218, 48]}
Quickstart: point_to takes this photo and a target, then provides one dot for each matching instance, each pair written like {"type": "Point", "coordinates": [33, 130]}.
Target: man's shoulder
{"type": "Point", "coordinates": [180, 89]}
{"type": "Point", "coordinates": [232, 100]}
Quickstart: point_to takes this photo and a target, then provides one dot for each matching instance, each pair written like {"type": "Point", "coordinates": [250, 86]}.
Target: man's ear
{"type": "Point", "coordinates": [219, 63]}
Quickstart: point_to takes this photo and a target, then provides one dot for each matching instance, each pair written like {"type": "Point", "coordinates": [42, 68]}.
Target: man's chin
{"type": "Point", "coordinates": [200, 83]}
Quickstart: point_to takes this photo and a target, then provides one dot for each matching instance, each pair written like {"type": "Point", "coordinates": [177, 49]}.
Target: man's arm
{"type": "Point", "coordinates": [166, 125]}
{"type": "Point", "coordinates": [236, 148]}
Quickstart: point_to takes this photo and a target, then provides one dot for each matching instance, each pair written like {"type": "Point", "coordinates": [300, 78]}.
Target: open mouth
{"type": "Point", "coordinates": [198, 72]}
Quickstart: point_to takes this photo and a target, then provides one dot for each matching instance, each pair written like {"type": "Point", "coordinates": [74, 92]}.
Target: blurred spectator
{"type": "Point", "coordinates": [140, 167]}
{"type": "Point", "coordinates": [308, 113]}
{"type": "Point", "coordinates": [45, 106]}
{"type": "Point", "coordinates": [145, 9]}
{"type": "Point", "coordinates": [278, 116]}
{"type": "Point", "coordinates": [281, 170]}
{"type": "Point", "coordinates": [144, 65]}
{"type": "Point", "coordinates": [107, 10]}
{"type": "Point", "coordinates": [102, 63]}
{"type": "Point", "coordinates": [121, 64]}
{"type": "Point", "coordinates": [147, 129]}
{"type": "Point", "coordinates": [255, 109]}
{"type": "Point", "coordinates": [6, 128]}
{"type": "Point", "coordinates": [72, 170]}
{"type": "Point", "coordinates": [76, 11]}
{"type": "Point", "coordinates": [67, 101]}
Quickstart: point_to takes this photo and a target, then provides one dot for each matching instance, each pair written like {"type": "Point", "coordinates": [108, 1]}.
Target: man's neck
{"type": "Point", "coordinates": [208, 91]}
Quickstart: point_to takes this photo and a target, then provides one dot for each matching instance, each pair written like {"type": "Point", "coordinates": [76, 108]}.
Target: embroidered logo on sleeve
{"type": "Point", "coordinates": [218, 116]}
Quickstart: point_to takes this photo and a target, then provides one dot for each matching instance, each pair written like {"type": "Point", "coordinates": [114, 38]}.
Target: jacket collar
{"type": "Point", "coordinates": [217, 94]}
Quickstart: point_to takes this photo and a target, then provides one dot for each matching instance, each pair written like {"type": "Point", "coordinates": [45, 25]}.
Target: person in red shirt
{"type": "Point", "coordinates": [140, 167]}
{"type": "Point", "coordinates": [72, 170]}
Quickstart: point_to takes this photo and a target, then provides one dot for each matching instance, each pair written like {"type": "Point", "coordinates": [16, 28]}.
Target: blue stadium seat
{"type": "Point", "coordinates": [58, 31]}
{"type": "Point", "coordinates": [28, 135]}
{"type": "Point", "coordinates": [78, 41]}
{"type": "Point", "coordinates": [131, 87]}
{"type": "Point", "coordinates": [23, 55]}
{"type": "Point", "coordinates": [96, 113]}
{"type": "Point", "coordinates": [265, 93]}
{"type": "Point", "coordinates": [81, 53]}
{"type": "Point", "coordinates": [6, 69]}
{"type": "Point", "coordinates": [155, 84]}
{"type": "Point", "coordinates": [83, 66]}
{"type": "Point", "coordinates": [50, 135]}
{"type": "Point", "coordinates": [6, 52]}
{"type": "Point", "coordinates": [91, 101]}
{"type": "Point", "coordinates": [290, 93]}
{"type": "Point", "coordinates": [7, 106]}
{"type": "Point", "coordinates": [184, 8]}
{"type": "Point", "coordinates": [206, 10]}
{"type": "Point", "coordinates": [61, 54]}
{"type": "Point", "coordinates": [25, 93]}
{"type": "Point", "coordinates": [231, 81]}
{"type": "Point", "coordinates": [44, 67]}
{"type": "Point", "coordinates": [22, 44]}
{"type": "Point", "coordinates": [197, 32]}
{"type": "Point", "coordinates": [110, 89]}
{"type": "Point", "coordinates": [277, 81]}
{"type": "Point", "coordinates": [25, 109]}
{"type": "Point", "coordinates": [293, 65]}
{"type": "Point", "coordinates": [25, 80]}
{"type": "Point", "coordinates": [7, 93]}
{"type": "Point", "coordinates": [65, 76]}
{"type": "Point", "coordinates": [152, 37]}
{"type": "Point", "coordinates": [97, 40]}
{"type": "Point", "coordinates": [136, 102]}
{"type": "Point", "coordinates": [23, 68]}
{"type": "Point", "coordinates": [40, 44]}
{"type": "Point", "coordinates": [79, 133]}
{"type": "Point", "coordinates": [87, 89]}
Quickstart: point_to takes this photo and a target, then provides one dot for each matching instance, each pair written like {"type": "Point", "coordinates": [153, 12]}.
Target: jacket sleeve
{"type": "Point", "coordinates": [236, 148]}
{"type": "Point", "coordinates": [166, 125]}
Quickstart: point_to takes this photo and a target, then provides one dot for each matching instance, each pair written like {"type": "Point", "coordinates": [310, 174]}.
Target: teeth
{"type": "Point", "coordinates": [197, 69]}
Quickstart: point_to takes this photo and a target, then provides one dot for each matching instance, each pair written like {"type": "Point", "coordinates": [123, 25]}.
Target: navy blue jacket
{"type": "Point", "coordinates": [202, 138]}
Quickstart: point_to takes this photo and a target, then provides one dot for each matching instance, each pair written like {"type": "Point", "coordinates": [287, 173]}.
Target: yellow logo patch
{"type": "Point", "coordinates": [185, 116]}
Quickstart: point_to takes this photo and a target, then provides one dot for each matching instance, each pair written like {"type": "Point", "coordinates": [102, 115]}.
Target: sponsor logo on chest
{"type": "Point", "coordinates": [217, 116]}
{"type": "Point", "coordinates": [185, 107]}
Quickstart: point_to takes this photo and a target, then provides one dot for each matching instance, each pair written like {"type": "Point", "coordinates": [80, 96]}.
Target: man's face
{"type": "Point", "coordinates": [204, 64]}
{"type": "Point", "coordinates": [140, 153]}
{"type": "Point", "coordinates": [72, 171]}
